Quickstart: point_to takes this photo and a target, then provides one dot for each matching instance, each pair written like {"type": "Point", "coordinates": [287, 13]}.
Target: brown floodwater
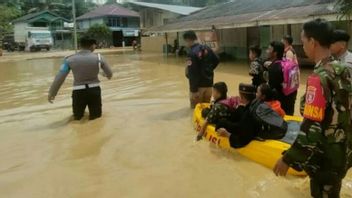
{"type": "Point", "coordinates": [142, 147]}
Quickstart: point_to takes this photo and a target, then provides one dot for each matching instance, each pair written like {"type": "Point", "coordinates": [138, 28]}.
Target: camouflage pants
{"type": "Point", "coordinates": [321, 189]}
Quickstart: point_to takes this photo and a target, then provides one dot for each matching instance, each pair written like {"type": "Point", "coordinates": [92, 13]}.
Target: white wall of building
{"type": "Point", "coordinates": [153, 17]}
{"type": "Point", "coordinates": [20, 31]}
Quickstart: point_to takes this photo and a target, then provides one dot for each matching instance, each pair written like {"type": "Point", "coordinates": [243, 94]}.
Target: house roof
{"type": "Point", "coordinates": [247, 13]}
{"type": "Point", "coordinates": [108, 10]}
{"type": "Point", "coordinates": [32, 16]}
{"type": "Point", "coordinates": [182, 10]}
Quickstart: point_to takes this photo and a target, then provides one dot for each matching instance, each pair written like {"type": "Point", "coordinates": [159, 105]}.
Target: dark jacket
{"type": "Point", "coordinates": [276, 78]}
{"type": "Point", "coordinates": [242, 126]}
{"type": "Point", "coordinates": [201, 63]}
{"type": "Point", "coordinates": [256, 70]}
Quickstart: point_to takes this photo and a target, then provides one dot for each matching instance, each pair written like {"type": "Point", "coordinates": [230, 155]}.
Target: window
{"type": "Point", "coordinates": [113, 22]}
{"type": "Point", "coordinates": [124, 22]}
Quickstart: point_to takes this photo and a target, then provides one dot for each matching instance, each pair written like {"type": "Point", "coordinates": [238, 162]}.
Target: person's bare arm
{"type": "Point", "coordinates": [202, 130]}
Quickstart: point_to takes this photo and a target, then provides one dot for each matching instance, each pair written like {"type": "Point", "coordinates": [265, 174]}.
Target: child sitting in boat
{"type": "Point", "coordinates": [220, 109]}
{"type": "Point", "coordinates": [252, 119]}
{"type": "Point", "coordinates": [242, 127]}
{"type": "Point", "coordinates": [266, 94]}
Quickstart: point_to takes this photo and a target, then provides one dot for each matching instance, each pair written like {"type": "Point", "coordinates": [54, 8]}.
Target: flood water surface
{"type": "Point", "coordinates": [142, 147]}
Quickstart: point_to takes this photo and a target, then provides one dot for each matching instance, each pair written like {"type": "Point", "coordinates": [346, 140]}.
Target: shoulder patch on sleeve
{"type": "Point", "coordinates": [65, 67]}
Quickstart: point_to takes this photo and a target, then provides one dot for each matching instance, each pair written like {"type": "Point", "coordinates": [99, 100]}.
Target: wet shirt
{"type": "Point", "coordinates": [276, 77]}
{"type": "Point", "coordinates": [218, 111]}
{"type": "Point", "coordinates": [346, 58]}
{"type": "Point", "coordinates": [256, 70]}
{"type": "Point", "coordinates": [242, 126]}
{"type": "Point", "coordinates": [290, 54]}
{"type": "Point", "coordinates": [85, 69]}
{"type": "Point", "coordinates": [319, 145]}
{"type": "Point", "coordinates": [198, 71]}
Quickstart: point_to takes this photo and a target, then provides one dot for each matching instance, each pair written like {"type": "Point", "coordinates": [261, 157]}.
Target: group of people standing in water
{"type": "Point", "coordinates": [323, 147]}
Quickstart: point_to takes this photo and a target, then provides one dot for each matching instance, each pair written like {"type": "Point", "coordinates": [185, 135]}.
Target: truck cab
{"type": "Point", "coordinates": [39, 39]}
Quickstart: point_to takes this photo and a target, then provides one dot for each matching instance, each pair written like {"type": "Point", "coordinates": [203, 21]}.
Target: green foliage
{"type": "Point", "coordinates": [7, 14]}
{"type": "Point", "coordinates": [100, 32]}
{"type": "Point", "coordinates": [345, 7]}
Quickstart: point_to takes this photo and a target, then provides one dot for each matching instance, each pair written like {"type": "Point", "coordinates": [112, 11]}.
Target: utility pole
{"type": "Point", "coordinates": [74, 24]}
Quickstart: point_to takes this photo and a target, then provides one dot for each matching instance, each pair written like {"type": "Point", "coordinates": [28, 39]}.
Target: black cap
{"type": "Point", "coordinates": [247, 88]}
{"type": "Point", "coordinates": [191, 35]}
{"type": "Point", "coordinates": [88, 40]}
{"type": "Point", "coordinates": [340, 35]}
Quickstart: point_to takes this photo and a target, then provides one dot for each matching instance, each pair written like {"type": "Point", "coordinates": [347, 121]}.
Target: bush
{"type": "Point", "coordinates": [101, 33]}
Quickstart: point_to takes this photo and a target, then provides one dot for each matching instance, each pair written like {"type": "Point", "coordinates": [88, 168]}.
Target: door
{"type": "Point", "coordinates": [117, 38]}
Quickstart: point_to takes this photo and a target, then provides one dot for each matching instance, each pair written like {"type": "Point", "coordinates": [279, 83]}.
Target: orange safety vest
{"type": "Point", "coordinates": [314, 108]}
{"type": "Point", "coordinates": [276, 106]}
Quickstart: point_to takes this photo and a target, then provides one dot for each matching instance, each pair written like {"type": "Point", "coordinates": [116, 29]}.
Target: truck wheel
{"type": "Point", "coordinates": [48, 49]}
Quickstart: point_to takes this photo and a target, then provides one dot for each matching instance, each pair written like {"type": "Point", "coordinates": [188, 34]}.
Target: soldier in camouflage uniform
{"type": "Point", "coordinates": [321, 146]}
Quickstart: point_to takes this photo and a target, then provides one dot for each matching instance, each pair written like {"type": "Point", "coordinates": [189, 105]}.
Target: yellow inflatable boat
{"type": "Point", "coordinates": [263, 152]}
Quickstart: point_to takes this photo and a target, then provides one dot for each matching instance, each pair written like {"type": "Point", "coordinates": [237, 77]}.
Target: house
{"type": "Point", "coordinates": [44, 20]}
{"type": "Point", "coordinates": [123, 23]}
{"type": "Point", "coordinates": [241, 23]}
{"type": "Point", "coordinates": [154, 14]}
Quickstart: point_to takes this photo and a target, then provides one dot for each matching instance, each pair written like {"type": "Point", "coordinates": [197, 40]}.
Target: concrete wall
{"type": "Point", "coordinates": [153, 17]}
{"type": "Point", "coordinates": [153, 44]}
{"type": "Point", "coordinates": [156, 43]}
{"type": "Point", "coordinates": [278, 31]}
{"type": "Point", "coordinates": [234, 42]}
{"type": "Point", "coordinates": [296, 30]}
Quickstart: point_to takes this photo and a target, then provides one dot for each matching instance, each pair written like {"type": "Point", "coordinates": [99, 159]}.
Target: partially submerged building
{"type": "Point", "coordinates": [44, 20]}
{"type": "Point", "coordinates": [124, 23]}
{"type": "Point", "coordinates": [156, 14]}
{"type": "Point", "coordinates": [241, 23]}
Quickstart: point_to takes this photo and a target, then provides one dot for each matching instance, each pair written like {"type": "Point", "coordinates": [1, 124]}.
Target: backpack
{"type": "Point", "coordinates": [209, 61]}
{"type": "Point", "coordinates": [273, 126]}
{"type": "Point", "coordinates": [231, 102]}
{"type": "Point", "coordinates": [291, 76]}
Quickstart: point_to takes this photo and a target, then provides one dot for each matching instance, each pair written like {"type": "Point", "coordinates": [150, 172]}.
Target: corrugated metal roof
{"type": "Point", "coordinates": [247, 13]}
{"type": "Point", "coordinates": [36, 14]}
{"type": "Point", "coordinates": [183, 10]}
{"type": "Point", "coordinates": [108, 10]}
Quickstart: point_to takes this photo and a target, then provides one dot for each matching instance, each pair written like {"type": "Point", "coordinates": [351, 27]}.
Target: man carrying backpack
{"type": "Point", "coordinates": [201, 62]}
{"type": "Point", "coordinates": [282, 77]}
{"type": "Point", "coordinates": [321, 146]}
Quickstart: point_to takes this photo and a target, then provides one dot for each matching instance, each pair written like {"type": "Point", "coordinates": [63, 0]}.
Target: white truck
{"type": "Point", "coordinates": [34, 39]}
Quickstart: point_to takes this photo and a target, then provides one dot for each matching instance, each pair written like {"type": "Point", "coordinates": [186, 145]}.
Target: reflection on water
{"type": "Point", "coordinates": [142, 147]}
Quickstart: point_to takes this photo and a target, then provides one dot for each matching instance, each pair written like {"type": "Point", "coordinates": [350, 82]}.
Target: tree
{"type": "Point", "coordinates": [101, 33]}
{"type": "Point", "coordinates": [345, 8]}
{"type": "Point", "coordinates": [7, 14]}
